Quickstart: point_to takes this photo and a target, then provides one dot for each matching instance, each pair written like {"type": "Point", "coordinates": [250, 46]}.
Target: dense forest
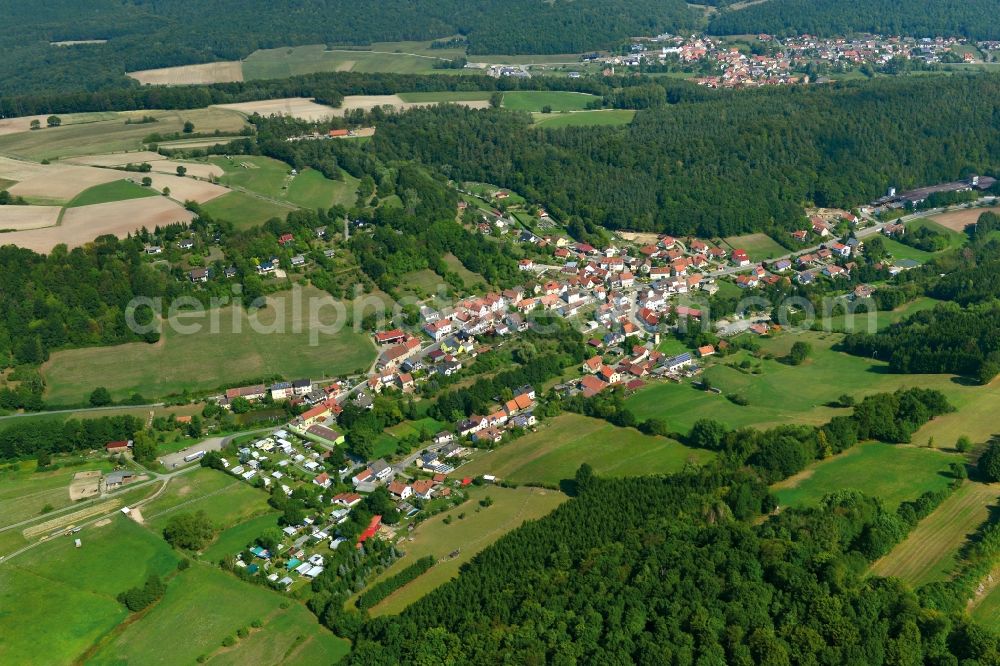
{"type": "Point", "coordinates": [142, 34]}
{"type": "Point", "coordinates": [659, 570]}
{"type": "Point", "coordinates": [957, 336]}
{"type": "Point", "coordinates": [723, 164]}
{"type": "Point", "coordinates": [919, 18]}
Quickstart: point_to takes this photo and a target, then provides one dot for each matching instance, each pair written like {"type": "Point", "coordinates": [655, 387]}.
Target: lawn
{"type": "Point", "coordinates": [899, 251]}
{"type": "Point", "coordinates": [273, 180]}
{"type": "Point", "coordinates": [468, 277]}
{"type": "Point", "coordinates": [480, 528]}
{"type": "Point", "coordinates": [600, 118]}
{"type": "Point", "coordinates": [929, 552]}
{"type": "Point", "coordinates": [892, 472]}
{"type": "Point", "coordinates": [561, 445]}
{"type": "Point", "coordinates": [225, 499]}
{"type": "Point", "coordinates": [234, 604]}
{"type": "Point", "coordinates": [113, 135]}
{"type": "Point", "coordinates": [759, 247]}
{"type": "Point", "coordinates": [445, 96]}
{"type": "Point", "coordinates": [118, 190]}
{"type": "Point", "coordinates": [24, 493]}
{"type": "Point", "coordinates": [205, 360]}
{"type": "Point", "coordinates": [244, 210]}
{"type": "Point", "coordinates": [63, 598]}
{"type": "Point", "coordinates": [797, 394]}
{"type": "Point", "coordinates": [536, 100]}
{"type": "Point", "coordinates": [234, 539]}
{"type": "Point", "coordinates": [956, 239]}
{"type": "Point", "coordinates": [882, 318]}
{"type": "Point", "coordinates": [987, 611]}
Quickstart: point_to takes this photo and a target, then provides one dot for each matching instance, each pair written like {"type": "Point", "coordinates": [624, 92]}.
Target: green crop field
{"type": "Point", "coordinates": [113, 135]}
{"type": "Point", "coordinates": [797, 394]}
{"type": "Point", "coordinates": [480, 527]}
{"type": "Point", "coordinates": [398, 57]}
{"type": "Point", "coordinates": [234, 604]}
{"type": "Point", "coordinates": [894, 473]}
{"type": "Point", "coordinates": [233, 539]}
{"type": "Point", "coordinates": [535, 100]}
{"type": "Point", "coordinates": [118, 190]}
{"type": "Point", "coordinates": [225, 499]}
{"type": "Point", "coordinates": [445, 96]}
{"type": "Point", "coordinates": [25, 492]}
{"type": "Point", "coordinates": [561, 445]}
{"type": "Point", "coordinates": [759, 247]}
{"type": "Point", "coordinates": [600, 118]}
{"type": "Point", "coordinates": [205, 360]}
{"type": "Point", "coordinates": [63, 598]}
{"type": "Point", "coordinates": [929, 552]}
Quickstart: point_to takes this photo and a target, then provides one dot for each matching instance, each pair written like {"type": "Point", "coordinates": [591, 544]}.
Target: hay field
{"type": "Point", "coordinates": [22, 218]}
{"type": "Point", "coordinates": [297, 107]}
{"type": "Point", "coordinates": [958, 220]}
{"type": "Point", "coordinates": [82, 225]}
{"type": "Point", "coordinates": [23, 124]}
{"type": "Point", "coordinates": [211, 72]}
{"type": "Point", "coordinates": [116, 159]}
{"type": "Point", "coordinates": [61, 182]}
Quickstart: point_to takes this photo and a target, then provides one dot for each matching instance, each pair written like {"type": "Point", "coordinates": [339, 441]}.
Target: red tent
{"type": "Point", "coordinates": [370, 530]}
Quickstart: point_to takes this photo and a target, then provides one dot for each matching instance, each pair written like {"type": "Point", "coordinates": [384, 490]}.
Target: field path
{"type": "Point", "coordinates": [926, 554]}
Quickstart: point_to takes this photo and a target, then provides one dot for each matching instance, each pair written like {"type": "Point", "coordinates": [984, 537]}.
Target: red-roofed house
{"type": "Point", "coordinates": [390, 337]}
{"type": "Point", "coordinates": [116, 447]}
{"type": "Point", "coordinates": [284, 239]}
{"type": "Point", "coordinates": [740, 258]}
{"type": "Point", "coordinates": [370, 531]}
{"type": "Point", "coordinates": [707, 350]}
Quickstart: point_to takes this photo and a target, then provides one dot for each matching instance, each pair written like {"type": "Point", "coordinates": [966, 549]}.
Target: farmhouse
{"type": "Point", "coordinates": [117, 447]}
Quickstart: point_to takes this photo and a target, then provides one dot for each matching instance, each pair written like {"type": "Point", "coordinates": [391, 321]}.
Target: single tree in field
{"type": "Point", "coordinates": [181, 170]}
{"type": "Point", "coordinates": [100, 397]}
{"type": "Point", "coordinates": [964, 444]}
{"type": "Point", "coordinates": [188, 127]}
{"type": "Point", "coordinates": [35, 124]}
{"type": "Point", "coordinates": [147, 181]}
{"type": "Point", "coordinates": [989, 463]}
{"type": "Point", "coordinates": [53, 121]}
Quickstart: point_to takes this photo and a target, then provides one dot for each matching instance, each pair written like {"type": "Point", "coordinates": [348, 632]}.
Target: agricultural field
{"type": "Point", "coordinates": [784, 393]}
{"type": "Point", "coordinates": [892, 472]}
{"type": "Point", "coordinates": [234, 604]}
{"type": "Point", "coordinates": [204, 360]}
{"type": "Point", "coordinates": [536, 100]}
{"type": "Point", "coordinates": [116, 190]}
{"type": "Point", "coordinates": [57, 585]}
{"type": "Point", "coordinates": [83, 224]}
{"type": "Point", "coordinates": [113, 135]}
{"type": "Point", "coordinates": [958, 220]}
{"type": "Point", "coordinates": [929, 552]}
{"type": "Point", "coordinates": [480, 527]}
{"type": "Point", "coordinates": [398, 57]}
{"type": "Point", "coordinates": [212, 72]}
{"type": "Point", "coordinates": [759, 247]}
{"type": "Point", "coordinates": [23, 218]}
{"type": "Point", "coordinates": [445, 96]}
{"type": "Point", "coordinates": [23, 123]}
{"type": "Point", "coordinates": [24, 493]}
{"type": "Point", "coordinates": [561, 445]}
{"type": "Point", "coordinates": [296, 107]}
{"type": "Point", "coordinates": [225, 499]}
{"type": "Point", "coordinates": [601, 118]}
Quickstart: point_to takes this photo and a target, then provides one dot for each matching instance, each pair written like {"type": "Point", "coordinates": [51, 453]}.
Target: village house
{"type": "Point", "coordinates": [400, 490]}
{"type": "Point", "coordinates": [199, 275]}
{"type": "Point", "coordinates": [740, 258]}
{"type": "Point", "coordinates": [438, 329]}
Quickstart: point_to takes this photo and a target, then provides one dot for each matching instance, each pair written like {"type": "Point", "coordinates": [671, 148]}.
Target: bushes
{"type": "Point", "coordinates": [383, 589]}
{"type": "Point", "coordinates": [989, 463]}
{"type": "Point", "coordinates": [138, 598]}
